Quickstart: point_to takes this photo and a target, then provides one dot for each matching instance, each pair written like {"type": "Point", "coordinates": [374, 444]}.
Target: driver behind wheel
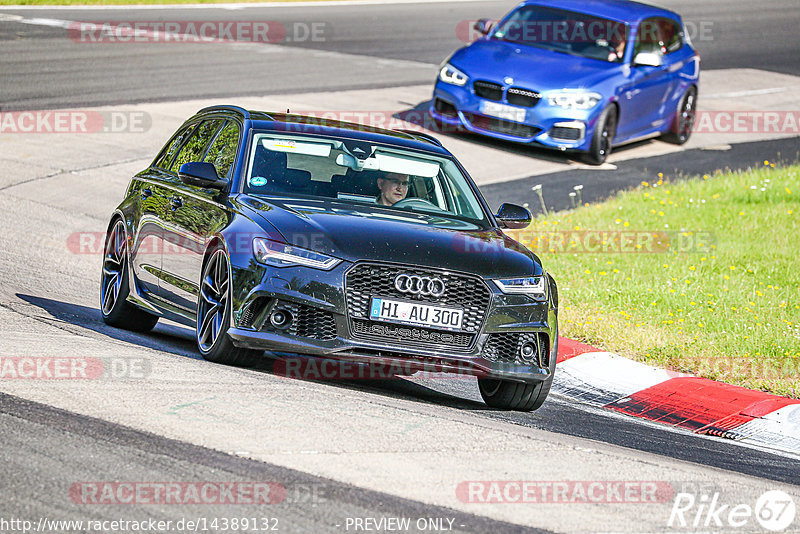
{"type": "Point", "coordinates": [393, 188]}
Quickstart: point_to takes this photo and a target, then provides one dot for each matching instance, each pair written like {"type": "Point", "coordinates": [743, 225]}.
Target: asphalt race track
{"type": "Point", "coordinates": [346, 452]}
{"type": "Point", "coordinates": [48, 74]}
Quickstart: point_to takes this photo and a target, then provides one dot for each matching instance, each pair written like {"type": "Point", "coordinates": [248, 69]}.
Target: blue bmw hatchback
{"type": "Point", "coordinates": [577, 75]}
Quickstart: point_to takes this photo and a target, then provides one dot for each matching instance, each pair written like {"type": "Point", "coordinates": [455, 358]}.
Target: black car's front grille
{"type": "Point", "coordinates": [418, 334]}
{"type": "Point", "coordinates": [508, 348]}
{"type": "Point", "coordinates": [488, 90]}
{"type": "Point", "coordinates": [305, 321]}
{"type": "Point", "coordinates": [522, 97]}
{"type": "Point", "coordinates": [501, 125]}
{"type": "Point", "coordinates": [469, 293]}
{"type": "Point", "coordinates": [566, 133]}
{"type": "Point", "coordinates": [249, 313]}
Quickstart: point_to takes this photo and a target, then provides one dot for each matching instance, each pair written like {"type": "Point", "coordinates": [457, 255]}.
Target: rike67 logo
{"type": "Point", "coordinates": [774, 510]}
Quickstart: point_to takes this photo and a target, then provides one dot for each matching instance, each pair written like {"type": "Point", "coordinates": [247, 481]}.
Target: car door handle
{"type": "Point", "coordinates": [146, 192]}
{"type": "Point", "coordinates": [175, 202]}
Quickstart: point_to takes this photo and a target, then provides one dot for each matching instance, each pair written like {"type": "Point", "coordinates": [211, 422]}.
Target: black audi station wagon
{"type": "Point", "coordinates": [291, 234]}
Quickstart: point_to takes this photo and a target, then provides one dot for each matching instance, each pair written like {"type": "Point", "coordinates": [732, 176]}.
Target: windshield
{"type": "Point", "coordinates": [357, 172]}
{"type": "Point", "coordinates": [565, 31]}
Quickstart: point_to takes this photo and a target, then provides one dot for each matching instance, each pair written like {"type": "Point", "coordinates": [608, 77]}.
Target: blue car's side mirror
{"type": "Point", "coordinates": [647, 59]}
{"type": "Point", "coordinates": [484, 26]}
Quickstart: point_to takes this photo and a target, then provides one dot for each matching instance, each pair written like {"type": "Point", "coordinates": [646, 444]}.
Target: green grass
{"type": "Point", "coordinates": [721, 301]}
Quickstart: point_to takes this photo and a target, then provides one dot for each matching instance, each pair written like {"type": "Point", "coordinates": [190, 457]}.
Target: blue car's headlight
{"type": "Point", "coordinates": [283, 255]}
{"type": "Point", "coordinates": [534, 286]}
{"type": "Point", "coordinates": [450, 74]}
{"type": "Point", "coordinates": [574, 99]}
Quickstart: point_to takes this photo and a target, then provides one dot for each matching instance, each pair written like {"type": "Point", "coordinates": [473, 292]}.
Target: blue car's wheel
{"type": "Point", "coordinates": [683, 122]}
{"type": "Point", "coordinates": [604, 131]}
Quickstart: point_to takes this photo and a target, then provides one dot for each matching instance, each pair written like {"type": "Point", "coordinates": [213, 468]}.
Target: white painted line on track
{"type": "Point", "coordinates": [753, 92]}
{"type": "Point", "coordinates": [53, 23]}
{"type": "Point", "coordinates": [233, 6]}
{"type": "Point", "coordinates": [261, 47]}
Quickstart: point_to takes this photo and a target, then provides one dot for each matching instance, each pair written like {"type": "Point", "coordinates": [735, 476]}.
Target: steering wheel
{"type": "Point", "coordinates": [604, 45]}
{"type": "Point", "coordinates": [417, 203]}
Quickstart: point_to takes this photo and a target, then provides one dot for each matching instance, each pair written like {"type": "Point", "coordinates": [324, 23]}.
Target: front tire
{"type": "Point", "coordinates": [214, 314]}
{"type": "Point", "coordinates": [518, 396]}
{"type": "Point", "coordinates": [604, 131]}
{"type": "Point", "coordinates": [683, 122]}
{"type": "Point", "coordinates": [115, 287]}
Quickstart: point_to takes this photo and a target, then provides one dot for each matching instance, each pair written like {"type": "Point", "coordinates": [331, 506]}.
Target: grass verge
{"type": "Point", "coordinates": [700, 275]}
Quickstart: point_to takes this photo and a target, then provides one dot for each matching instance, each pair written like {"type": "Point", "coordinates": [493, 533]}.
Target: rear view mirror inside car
{"type": "Point", "coordinates": [390, 163]}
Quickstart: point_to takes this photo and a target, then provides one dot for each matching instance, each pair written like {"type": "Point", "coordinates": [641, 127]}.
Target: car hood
{"type": "Point", "coordinates": [353, 233]}
{"type": "Point", "coordinates": [531, 67]}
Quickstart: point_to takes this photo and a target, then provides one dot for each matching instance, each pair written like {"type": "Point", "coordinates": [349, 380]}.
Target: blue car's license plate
{"type": "Point", "coordinates": [502, 111]}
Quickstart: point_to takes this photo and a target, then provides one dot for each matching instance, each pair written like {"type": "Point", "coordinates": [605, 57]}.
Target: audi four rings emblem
{"type": "Point", "coordinates": [419, 285]}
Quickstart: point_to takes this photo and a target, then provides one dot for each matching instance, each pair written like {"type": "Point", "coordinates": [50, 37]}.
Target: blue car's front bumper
{"type": "Point", "coordinates": [546, 125]}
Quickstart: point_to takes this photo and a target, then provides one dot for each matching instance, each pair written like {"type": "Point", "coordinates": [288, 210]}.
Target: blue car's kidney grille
{"type": "Point", "coordinates": [502, 126]}
{"type": "Point", "coordinates": [488, 90]}
{"type": "Point", "coordinates": [522, 97]}
{"type": "Point", "coordinates": [463, 291]}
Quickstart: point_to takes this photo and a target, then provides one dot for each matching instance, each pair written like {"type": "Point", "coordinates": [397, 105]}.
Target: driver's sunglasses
{"type": "Point", "coordinates": [397, 181]}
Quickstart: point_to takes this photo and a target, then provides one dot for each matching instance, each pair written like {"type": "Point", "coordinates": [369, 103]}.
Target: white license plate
{"type": "Point", "coordinates": [413, 313]}
{"type": "Point", "coordinates": [502, 111]}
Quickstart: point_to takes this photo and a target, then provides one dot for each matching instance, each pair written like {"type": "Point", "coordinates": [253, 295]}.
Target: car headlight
{"type": "Point", "coordinates": [283, 254]}
{"type": "Point", "coordinates": [574, 99]}
{"type": "Point", "coordinates": [450, 74]}
{"type": "Point", "coordinates": [534, 286]}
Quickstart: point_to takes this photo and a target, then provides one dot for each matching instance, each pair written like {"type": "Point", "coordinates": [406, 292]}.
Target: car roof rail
{"type": "Point", "coordinates": [227, 107]}
{"type": "Point", "coordinates": [425, 137]}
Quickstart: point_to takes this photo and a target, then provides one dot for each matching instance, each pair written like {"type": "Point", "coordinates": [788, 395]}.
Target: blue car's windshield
{"type": "Point", "coordinates": [565, 31]}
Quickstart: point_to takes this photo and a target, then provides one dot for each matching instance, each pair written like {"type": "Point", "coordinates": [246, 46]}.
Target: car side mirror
{"type": "Point", "coordinates": [201, 174]}
{"type": "Point", "coordinates": [483, 26]}
{"type": "Point", "coordinates": [647, 59]}
{"type": "Point", "coordinates": [513, 217]}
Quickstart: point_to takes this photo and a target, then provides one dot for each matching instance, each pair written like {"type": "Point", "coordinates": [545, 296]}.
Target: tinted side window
{"type": "Point", "coordinates": [195, 146]}
{"type": "Point", "coordinates": [223, 149]}
{"type": "Point", "coordinates": [672, 35]}
{"type": "Point", "coordinates": [649, 38]}
{"type": "Point", "coordinates": [169, 151]}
